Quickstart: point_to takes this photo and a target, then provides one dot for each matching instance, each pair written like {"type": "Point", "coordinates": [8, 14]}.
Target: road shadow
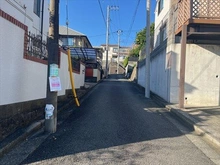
{"type": "Point", "coordinates": [115, 114]}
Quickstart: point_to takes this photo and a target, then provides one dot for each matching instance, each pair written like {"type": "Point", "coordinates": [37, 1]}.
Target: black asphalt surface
{"type": "Point", "coordinates": [116, 124]}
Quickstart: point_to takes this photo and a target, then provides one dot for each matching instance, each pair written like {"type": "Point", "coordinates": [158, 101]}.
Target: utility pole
{"type": "Point", "coordinates": [53, 47]}
{"type": "Point", "coordinates": [147, 72]}
{"type": "Point", "coordinates": [182, 66]}
{"type": "Point", "coordinates": [107, 35]}
{"type": "Point", "coordinates": [42, 20]}
{"type": "Point", "coordinates": [119, 32]}
{"type": "Point", "coordinates": [107, 41]}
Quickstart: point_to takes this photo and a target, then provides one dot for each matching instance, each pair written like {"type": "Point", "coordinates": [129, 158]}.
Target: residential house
{"type": "Point", "coordinates": [113, 58]}
{"type": "Point", "coordinates": [82, 52]}
{"type": "Point", "coordinates": [184, 62]}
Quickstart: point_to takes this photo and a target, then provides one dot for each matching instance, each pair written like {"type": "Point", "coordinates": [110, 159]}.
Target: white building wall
{"type": "Point", "coordinates": [104, 57]}
{"type": "Point", "coordinates": [202, 85]}
{"type": "Point", "coordinates": [160, 20]}
{"type": "Point", "coordinates": [22, 10]}
{"type": "Point", "coordinates": [97, 73]}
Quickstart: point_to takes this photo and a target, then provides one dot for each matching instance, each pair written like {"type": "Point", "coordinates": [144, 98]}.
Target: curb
{"type": "Point", "coordinates": [189, 120]}
{"type": "Point", "coordinates": [192, 123]}
{"type": "Point", "coordinates": [34, 127]}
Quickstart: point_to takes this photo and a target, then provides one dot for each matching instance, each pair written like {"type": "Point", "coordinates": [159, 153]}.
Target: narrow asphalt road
{"type": "Point", "coordinates": [116, 124]}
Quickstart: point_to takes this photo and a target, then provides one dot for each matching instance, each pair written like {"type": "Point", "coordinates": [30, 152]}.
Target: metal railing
{"type": "Point", "coordinates": [36, 47]}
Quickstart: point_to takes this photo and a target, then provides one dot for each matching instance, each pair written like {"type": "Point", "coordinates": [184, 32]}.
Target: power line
{"type": "Point", "coordinates": [117, 15]}
{"type": "Point", "coordinates": [117, 20]}
{"type": "Point", "coordinates": [100, 6]}
{"type": "Point", "coordinates": [112, 33]}
{"type": "Point", "coordinates": [98, 35]}
{"type": "Point", "coordinates": [132, 22]}
{"type": "Point", "coordinates": [116, 8]}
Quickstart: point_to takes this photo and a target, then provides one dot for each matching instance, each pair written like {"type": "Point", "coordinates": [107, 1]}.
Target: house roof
{"type": "Point", "coordinates": [133, 59]}
{"type": "Point", "coordinates": [71, 32]}
{"type": "Point", "coordinates": [114, 45]}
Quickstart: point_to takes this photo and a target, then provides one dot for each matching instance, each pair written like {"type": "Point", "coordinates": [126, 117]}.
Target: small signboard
{"type": "Point", "coordinates": [54, 72]}
{"type": "Point", "coordinates": [55, 84]}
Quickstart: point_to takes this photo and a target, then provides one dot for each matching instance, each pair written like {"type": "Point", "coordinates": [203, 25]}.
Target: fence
{"type": "Point", "coordinates": [194, 9]}
{"type": "Point", "coordinates": [36, 46]}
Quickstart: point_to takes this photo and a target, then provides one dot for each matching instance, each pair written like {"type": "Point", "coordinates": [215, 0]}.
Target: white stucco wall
{"type": "Point", "coordinates": [141, 75]}
{"type": "Point", "coordinates": [20, 79]}
{"type": "Point", "coordinates": [24, 80]}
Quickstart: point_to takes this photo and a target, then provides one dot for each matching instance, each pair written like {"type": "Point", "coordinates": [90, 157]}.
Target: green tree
{"type": "Point", "coordinates": [140, 40]}
{"type": "Point", "coordinates": [125, 63]}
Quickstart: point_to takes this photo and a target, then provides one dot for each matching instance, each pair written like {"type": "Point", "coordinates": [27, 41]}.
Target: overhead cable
{"type": "Point", "coordinates": [100, 6]}
{"type": "Point", "coordinates": [132, 22]}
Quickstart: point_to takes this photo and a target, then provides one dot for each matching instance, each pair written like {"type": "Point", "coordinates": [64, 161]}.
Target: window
{"type": "Point", "coordinates": [37, 7]}
{"type": "Point", "coordinates": [71, 42]}
{"type": "Point", "coordinates": [123, 50]}
{"type": "Point", "coordinates": [160, 6]}
{"type": "Point", "coordinates": [115, 50]}
{"type": "Point", "coordinates": [163, 33]}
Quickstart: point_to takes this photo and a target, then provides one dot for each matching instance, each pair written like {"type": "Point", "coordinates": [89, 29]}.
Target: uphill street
{"type": "Point", "coordinates": [116, 124]}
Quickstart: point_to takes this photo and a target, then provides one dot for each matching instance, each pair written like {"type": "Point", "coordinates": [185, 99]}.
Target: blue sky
{"type": "Point", "coordinates": [89, 16]}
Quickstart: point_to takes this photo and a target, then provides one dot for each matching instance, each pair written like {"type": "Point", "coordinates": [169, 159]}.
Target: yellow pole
{"type": "Point", "coordinates": [71, 77]}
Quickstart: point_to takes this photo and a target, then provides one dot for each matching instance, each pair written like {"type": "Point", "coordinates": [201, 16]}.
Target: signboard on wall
{"type": "Point", "coordinates": [55, 84]}
{"type": "Point", "coordinates": [54, 72]}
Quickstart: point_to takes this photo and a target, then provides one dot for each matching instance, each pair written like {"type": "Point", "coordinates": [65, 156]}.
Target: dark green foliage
{"type": "Point", "coordinates": [140, 40]}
